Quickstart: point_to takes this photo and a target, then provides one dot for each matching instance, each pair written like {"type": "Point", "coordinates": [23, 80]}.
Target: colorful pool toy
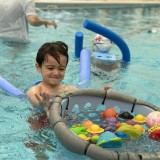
{"type": "Point", "coordinates": [83, 136]}
{"type": "Point", "coordinates": [122, 135]}
{"type": "Point", "coordinates": [79, 129]}
{"type": "Point", "coordinates": [129, 130]}
{"type": "Point", "coordinates": [109, 140]}
{"type": "Point", "coordinates": [139, 118]}
{"type": "Point", "coordinates": [95, 129]}
{"type": "Point", "coordinates": [155, 135]}
{"type": "Point", "coordinates": [154, 128]}
{"type": "Point", "coordinates": [87, 123]}
{"type": "Point", "coordinates": [131, 122]}
{"type": "Point", "coordinates": [101, 43]}
{"type": "Point", "coordinates": [109, 124]}
{"type": "Point", "coordinates": [125, 115]}
{"type": "Point", "coordinates": [94, 139]}
{"type": "Point", "coordinates": [109, 112]}
{"type": "Point", "coordinates": [153, 119]}
{"type": "Point", "coordinates": [110, 120]}
{"type": "Point", "coordinates": [140, 128]}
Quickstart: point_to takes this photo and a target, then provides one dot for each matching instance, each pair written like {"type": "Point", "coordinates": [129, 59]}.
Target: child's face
{"type": "Point", "coordinates": [53, 72]}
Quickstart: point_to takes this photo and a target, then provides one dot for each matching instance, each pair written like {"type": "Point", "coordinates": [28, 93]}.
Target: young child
{"type": "Point", "coordinates": [51, 62]}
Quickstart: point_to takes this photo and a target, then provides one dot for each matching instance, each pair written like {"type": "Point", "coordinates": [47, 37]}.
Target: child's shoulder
{"type": "Point", "coordinates": [36, 89]}
{"type": "Point", "coordinates": [68, 88]}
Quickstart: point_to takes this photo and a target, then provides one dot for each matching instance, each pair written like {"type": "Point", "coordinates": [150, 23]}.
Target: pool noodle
{"type": "Point", "coordinates": [78, 43]}
{"type": "Point", "coordinates": [111, 35]}
{"type": "Point", "coordinates": [9, 88]}
{"type": "Point", "coordinates": [85, 68]}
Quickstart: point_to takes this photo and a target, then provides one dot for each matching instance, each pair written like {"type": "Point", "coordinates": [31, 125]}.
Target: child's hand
{"type": "Point", "coordinates": [107, 88]}
{"type": "Point", "coordinates": [44, 100]}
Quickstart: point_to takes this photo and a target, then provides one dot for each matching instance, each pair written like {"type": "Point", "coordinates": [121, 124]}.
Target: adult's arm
{"type": "Point", "coordinates": [34, 20]}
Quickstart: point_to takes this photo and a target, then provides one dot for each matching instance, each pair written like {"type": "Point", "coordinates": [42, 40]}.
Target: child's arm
{"type": "Point", "coordinates": [31, 95]}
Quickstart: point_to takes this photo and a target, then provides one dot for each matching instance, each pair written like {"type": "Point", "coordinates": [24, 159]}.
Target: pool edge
{"type": "Point", "coordinates": [70, 4]}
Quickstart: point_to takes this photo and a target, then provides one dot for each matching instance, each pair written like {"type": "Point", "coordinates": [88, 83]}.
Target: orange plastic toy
{"type": "Point", "coordinates": [109, 112]}
{"type": "Point", "coordinates": [87, 123]}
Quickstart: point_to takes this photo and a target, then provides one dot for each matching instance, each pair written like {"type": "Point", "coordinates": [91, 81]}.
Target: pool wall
{"type": "Point", "coordinates": [94, 4]}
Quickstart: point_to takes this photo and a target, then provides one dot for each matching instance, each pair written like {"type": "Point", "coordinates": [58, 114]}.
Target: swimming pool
{"type": "Point", "coordinates": [140, 78]}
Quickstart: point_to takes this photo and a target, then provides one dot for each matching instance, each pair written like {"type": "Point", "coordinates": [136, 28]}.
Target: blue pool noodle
{"type": "Point", "coordinates": [90, 25]}
{"type": "Point", "coordinates": [9, 88]}
{"type": "Point", "coordinates": [85, 68]}
{"type": "Point", "coordinates": [78, 43]}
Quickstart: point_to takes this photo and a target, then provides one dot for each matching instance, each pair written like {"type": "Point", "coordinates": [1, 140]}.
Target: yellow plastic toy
{"type": "Point", "coordinates": [84, 137]}
{"type": "Point", "coordinates": [95, 129]}
{"type": "Point", "coordinates": [129, 130]}
{"type": "Point", "coordinates": [139, 118]}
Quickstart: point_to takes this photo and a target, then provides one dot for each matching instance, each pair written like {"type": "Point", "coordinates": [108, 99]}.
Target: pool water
{"type": "Point", "coordinates": [139, 78]}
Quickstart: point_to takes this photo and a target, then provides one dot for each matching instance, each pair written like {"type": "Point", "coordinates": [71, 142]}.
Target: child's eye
{"type": "Point", "coordinates": [50, 68]}
{"type": "Point", "coordinates": [61, 69]}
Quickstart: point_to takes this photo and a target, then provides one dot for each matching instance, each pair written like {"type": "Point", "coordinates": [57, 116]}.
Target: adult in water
{"type": "Point", "coordinates": [14, 18]}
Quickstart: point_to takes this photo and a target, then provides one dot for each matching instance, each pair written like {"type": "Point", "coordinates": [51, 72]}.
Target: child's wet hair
{"type": "Point", "coordinates": [53, 49]}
